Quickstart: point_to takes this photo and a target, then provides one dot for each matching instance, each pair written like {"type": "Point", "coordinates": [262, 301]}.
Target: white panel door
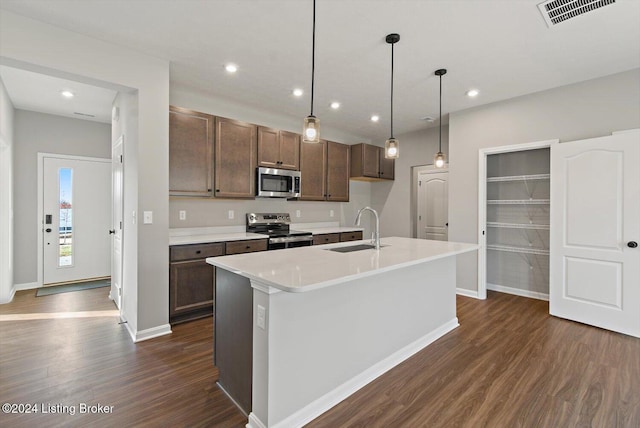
{"type": "Point", "coordinates": [117, 192]}
{"type": "Point", "coordinates": [77, 218]}
{"type": "Point", "coordinates": [433, 206]}
{"type": "Point", "coordinates": [595, 228]}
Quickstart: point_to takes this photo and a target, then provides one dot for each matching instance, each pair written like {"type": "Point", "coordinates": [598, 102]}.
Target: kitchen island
{"type": "Point", "coordinates": [301, 329]}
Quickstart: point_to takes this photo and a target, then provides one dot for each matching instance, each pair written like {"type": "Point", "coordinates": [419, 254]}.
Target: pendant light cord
{"type": "Point", "coordinates": [392, 89]}
{"type": "Point", "coordinates": [440, 121]}
{"type": "Point", "coordinates": [313, 54]}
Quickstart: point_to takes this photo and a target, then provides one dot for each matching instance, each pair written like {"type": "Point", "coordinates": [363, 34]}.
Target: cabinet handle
{"type": "Point", "coordinates": [208, 190]}
{"type": "Point", "coordinates": [198, 252]}
{"type": "Point", "coordinates": [217, 190]}
{"type": "Point", "coordinates": [248, 246]}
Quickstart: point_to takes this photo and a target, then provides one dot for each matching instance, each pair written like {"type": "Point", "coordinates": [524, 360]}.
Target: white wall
{"type": "Point", "coordinates": [393, 199]}
{"type": "Point", "coordinates": [584, 110]}
{"type": "Point", "coordinates": [34, 45]}
{"type": "Point", "coordinates": [214, 212]}
{"type": "Point", "coordinates": [45, 133]}
{"type": "Point", "coordinates": [6, 196]}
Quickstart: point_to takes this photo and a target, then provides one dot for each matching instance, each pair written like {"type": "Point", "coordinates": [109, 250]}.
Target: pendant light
{"type": "Point", "coordinates": [391, 146]}
{"type": "Point", "coordinates": [439, 160]}
{"type": "Point", "coordinates": [311, 127]}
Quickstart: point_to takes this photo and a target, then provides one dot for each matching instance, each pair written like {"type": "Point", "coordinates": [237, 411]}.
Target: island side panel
{"type": "Point", "coordinates": [320, 340]}
{"type": "Point", "coordinates": [233, 350]}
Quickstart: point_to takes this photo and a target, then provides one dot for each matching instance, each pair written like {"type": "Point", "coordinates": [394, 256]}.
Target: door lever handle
{"type": "Point", "coordinates": [112, 231]}
{"type": "Point", "coordinates": [632, 244]}
{"type": "Point", "coordinates": [48, 230]}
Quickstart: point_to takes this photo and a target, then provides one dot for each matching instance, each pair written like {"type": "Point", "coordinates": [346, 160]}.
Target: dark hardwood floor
{"type": "Point", "coordinates": [509, 364]}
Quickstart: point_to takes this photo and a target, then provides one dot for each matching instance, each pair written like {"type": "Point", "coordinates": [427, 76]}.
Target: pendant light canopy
{"type": "Point", "coordinates": [311, 127]}
{"type": "Point", "coordinates": [391, 146]}
{"type": "Point", "coordinates": [440, 160]}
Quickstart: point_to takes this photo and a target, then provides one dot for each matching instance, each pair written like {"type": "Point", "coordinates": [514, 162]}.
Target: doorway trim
{"type": "Point", "coordinates": [482, 202]}
{"type": "Point", "coordinates": [40, 195]}
{"type": "Point", "coordinates": [415, 172]}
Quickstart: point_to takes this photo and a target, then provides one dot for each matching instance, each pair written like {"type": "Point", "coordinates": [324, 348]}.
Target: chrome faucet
{"type": "Point", "coordinates": [375, 239]}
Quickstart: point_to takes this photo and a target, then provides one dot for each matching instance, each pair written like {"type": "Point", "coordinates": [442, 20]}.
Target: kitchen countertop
{"type": "Point", "coordinates": [204, 235]}
{"type": "Point", "coordinates": [326, 230]}
{"type": "Point", "coordinates": [305, 268]}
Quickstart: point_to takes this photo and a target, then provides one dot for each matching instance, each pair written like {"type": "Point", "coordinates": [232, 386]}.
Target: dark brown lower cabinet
{"type": "Point", "coordinates": [192, 281]}
{"type": "Point", "coordinates": [351, 236]}
{"type": "Point", "coordinates": [332, 238]}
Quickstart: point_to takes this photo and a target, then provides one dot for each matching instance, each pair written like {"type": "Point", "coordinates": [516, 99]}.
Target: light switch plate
{"type": "Point", "coordinates": [298, 213]}
{"type": "Point", "coordinates": [231, 214]}
{"type": "Point", "coordinates": [183, 215]}
{"type": "Point", "coordinates": [147, 217]}
{"type": "Point", "coordinates": [261, 317]}
{"type": "Point", "coordinates": [331, 213]}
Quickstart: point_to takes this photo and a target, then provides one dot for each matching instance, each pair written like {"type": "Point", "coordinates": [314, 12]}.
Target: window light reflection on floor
{"type": "Point", "coordinates": [58, 315]}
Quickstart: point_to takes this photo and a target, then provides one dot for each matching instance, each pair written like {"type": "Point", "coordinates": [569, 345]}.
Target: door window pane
{"type": "Point", "coordinates": [65, 254]}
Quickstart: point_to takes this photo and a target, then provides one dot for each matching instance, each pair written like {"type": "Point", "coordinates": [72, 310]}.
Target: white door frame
{"type": "Point", "coordinates": [482, 202]}
{"type": "Point", "coordinates": [39, 225]}
{"type": "Point", "coordinates": [415, 172]}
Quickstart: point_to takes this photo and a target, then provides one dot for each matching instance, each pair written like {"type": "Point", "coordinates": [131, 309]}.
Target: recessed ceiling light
{"type": "Point", "coordinates": [428, 119]}
{"type": "Point", "coordinates": [472, 93]}
{"type": "Point", "coordinates": [335, 105]}
{"type": "Point", "coordinates": [67, 94]}
{"type": "Point", "coordinates": [298, 92]}
{"type": "Point", "coordinates": [375, 118]}
{"type": "Point", "coordinates": [231, 68]}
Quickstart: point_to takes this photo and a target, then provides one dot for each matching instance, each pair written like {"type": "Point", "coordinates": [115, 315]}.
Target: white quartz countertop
{"type": "Point", "coordinates": [325, 230]}
{"type": "Point", "coordinates": [204, 235]}
{"type": "Point", "coordinates": [309, 268]}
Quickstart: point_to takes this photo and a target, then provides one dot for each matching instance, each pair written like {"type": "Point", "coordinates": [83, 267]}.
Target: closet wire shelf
{"type": "Point", "coordinates": [518, 202]}
{"type": "Point", "coordinates": [509, 249]}
{"type": "Point", "coordinates": [530, 226]}
{"type": "Point", "coordinates": [519, 178]}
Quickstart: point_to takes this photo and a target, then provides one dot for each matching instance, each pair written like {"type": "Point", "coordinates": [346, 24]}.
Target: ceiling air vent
{"type": "Point", "coordinates": [557, 11]}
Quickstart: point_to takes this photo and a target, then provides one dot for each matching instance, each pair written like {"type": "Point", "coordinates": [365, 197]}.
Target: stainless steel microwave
{"type": "Point", "coordinates": [278, 183]}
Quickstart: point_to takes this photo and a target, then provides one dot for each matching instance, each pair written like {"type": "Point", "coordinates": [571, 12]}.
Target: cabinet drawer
{"type": "Point", "coordinates": [350, 236]}
{"type": "Point", "coordinates": [327, 238]}
{"type": "Point", "coordinates": [239, 247]}
{"type": "Point", "coordinates": [196, 251]}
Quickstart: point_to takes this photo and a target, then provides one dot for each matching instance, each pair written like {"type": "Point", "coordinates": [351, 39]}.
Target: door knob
{"type": "Point", "coordinates": [112, 231]}
{"type": "Point", "coordinates": [632, 244]}
{"type": "Point", "coordinates": [48, 230]}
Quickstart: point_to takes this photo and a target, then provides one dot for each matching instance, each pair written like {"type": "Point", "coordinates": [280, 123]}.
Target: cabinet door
{"type": "Point", "coordinates": [236, 146]}
{"type": "Point", "coordinates": [337, 172]}
{"type": "Point", "coordinates": [371, 161]}
{"type": "Point", "coordinates": [190, 152]}
{"type": "Point", "coordinates": [191, 286]}
{"type": "Point", "coordinates": [350, 236]}
{"type": "Point", "coordinates": [326, 238]}
{"type": "Point", "coordinates": [313, 170]}
{"type": "Point", "coordinates": [268, 147]}
{"type": "Point", "coordinates": [387, 166]}
{"type": "Point", "coordinates": [289, 150]}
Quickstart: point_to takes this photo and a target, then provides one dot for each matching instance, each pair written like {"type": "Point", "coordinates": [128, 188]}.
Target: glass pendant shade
{"type": "Point", "coordinates": [391, 149]}
{"type": "Point", "coordinates": [439, 160]}
{"type": "Point", "coordinates": [311, 130]}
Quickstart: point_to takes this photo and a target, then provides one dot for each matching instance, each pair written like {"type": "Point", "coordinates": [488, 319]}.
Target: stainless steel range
{"type": "Point", "coordinates": [276, 225]}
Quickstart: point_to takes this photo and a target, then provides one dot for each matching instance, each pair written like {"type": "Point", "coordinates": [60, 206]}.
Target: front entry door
{"type": "Point", "coordinates": [77, 218]}
{"type": "Point", "coordinates": [595, 230]}
{"type": "Point", "coordinates": [433, 205]}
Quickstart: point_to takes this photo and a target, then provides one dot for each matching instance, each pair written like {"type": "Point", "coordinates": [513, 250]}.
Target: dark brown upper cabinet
{"type": "Point", "coordinates": [235, 158]}
{"type": "Point", "coordinates": [278, 149]}
{"type": "Point", "coordinates": [337, 172]}
{"type": "Point", "coordinates": [190, 152]}
{"type": "Point", "coordinates": [369, 164]}
{"type": "Point", "coordinates": [324, 168]}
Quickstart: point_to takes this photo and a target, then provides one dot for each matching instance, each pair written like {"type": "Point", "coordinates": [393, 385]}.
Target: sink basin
{"type": "Point", "coordinates": [351, 248]}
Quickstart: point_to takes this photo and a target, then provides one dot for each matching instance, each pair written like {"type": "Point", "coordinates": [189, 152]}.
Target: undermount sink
{"type": "Point", "coordinates": [351, 248]}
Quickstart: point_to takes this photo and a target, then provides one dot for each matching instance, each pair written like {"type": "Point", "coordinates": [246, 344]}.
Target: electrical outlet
{"type": "Point", "coordinates": [261, 318]}
{"type": "Point", "coordinates": [183, 215]}
{"type": "Point", "coordinates": [231, 214]}
{"type": "Point", "coordinates": [298, 213]}
{"type": "Point", "coordinates": [331, 213]}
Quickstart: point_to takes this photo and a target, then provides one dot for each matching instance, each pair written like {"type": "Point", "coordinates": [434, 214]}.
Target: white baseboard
{"type": "Point", "coordinates": [9, 298]}
{"type": "Point", "coordinates": [27, 286]}
{"type": "Point", "coordinates": [467, 293]}
{"type": "Point", "coordinates": [518, 292]}
{"type": "Point", "coordinates": [254, 422]}
{"type": "Point", "coordinates": [330, 399]}
{"type": "Point", "coordinates": [150, 333]}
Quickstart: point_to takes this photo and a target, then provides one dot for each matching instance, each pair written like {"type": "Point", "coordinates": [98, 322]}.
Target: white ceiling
{"type": "Point", "coordinates": [503, 48]}
{"type": "Point", "coordinates": [42, 93]}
